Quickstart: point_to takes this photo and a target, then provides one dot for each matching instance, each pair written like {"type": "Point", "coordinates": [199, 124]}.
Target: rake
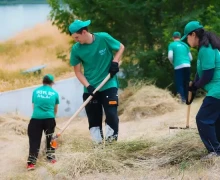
{"type": "Point", "coordinates": [54, 143]}
{"type": "Point", "coordinates": [188, 112]}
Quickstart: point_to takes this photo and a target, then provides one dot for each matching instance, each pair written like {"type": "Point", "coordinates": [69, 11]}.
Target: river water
{"type": "Point", "coordinates": [15, 18]}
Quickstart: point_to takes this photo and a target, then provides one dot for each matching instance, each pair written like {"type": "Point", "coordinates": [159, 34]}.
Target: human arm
{"type": "Point", "coordinates": [206, 65]}
{"type": "Point", "coordinates": [170, 53]}
{"type": "Point", "coordinates": [33, 100]}
{"type": "Point", "coordinates": [55, 109]}
{"type": "Point", "coordinates": [206, 77]}
{"type": "Point", "coordinates": [114, 45]}
{"type": "Point", "coordinates": [56, 104]}
{"type": "Point", "coordinates": [80, 75]}
{"type": "Point", "coordinates": [200, 82]}
{"type": "Point", "coordinates": [83, 79]}
{"type": "Point", "coordinates": [75, 61]}
{"type": "Point", "coordinates": [119, 53]}
{"type": "Point", "coordinates": [206, 68]}
{"type": "Point", "coordinates": [170, 56]}
{"type": "Point", "coordinates": [190, 56]}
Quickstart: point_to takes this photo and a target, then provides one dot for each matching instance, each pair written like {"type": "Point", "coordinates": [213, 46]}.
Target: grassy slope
{"type": "Point", "coordinates": [146, 149]}
{"type": "Point", "coordinates": [37, 46]}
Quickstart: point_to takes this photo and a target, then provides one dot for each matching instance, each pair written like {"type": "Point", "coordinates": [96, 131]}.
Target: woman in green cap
{"type": "Point", "coordinates": [208, 78]}
{"type": "Point", "coordinates": [45, 105]}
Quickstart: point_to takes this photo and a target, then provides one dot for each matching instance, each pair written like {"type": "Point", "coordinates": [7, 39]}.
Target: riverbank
{"type": "Point", "coordinates": [42, 45]}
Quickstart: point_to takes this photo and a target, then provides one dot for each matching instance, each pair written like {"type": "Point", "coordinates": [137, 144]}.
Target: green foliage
{"type": "Point", "coordinates": [145, 27]}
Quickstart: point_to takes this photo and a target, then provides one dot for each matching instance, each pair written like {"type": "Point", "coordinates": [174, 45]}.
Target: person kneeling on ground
{"type": "Point", "coordinates": [45, 105]}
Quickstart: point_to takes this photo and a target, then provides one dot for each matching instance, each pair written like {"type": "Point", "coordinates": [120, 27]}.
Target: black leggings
{"type": "Point", "coordinates": [35, 130]}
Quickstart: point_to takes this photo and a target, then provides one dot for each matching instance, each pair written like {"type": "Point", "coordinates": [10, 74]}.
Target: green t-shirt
{"type": "Point", "coordinates": [180, 53]}
{"type": "Point", "coordinates": [96, 59]}
{"type": "Point", "coordinates": [209, 58]}
{"type": "Point", "coordinates": [44, 99]}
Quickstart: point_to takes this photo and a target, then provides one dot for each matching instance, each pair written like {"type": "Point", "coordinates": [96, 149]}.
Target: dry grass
{"type": "Point", "coordinates": [170, 156]}
{"type": "Point", "coordinates": [13, 123]}
{"type": "Point", "coordinates": [175, 155]}
{"type": "Point", "coordinates": [38, 46]}
{"type": "Point", "coordinates": [145, 101]}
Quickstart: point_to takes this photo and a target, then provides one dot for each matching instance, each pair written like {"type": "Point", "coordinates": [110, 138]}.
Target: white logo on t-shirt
{"type": "Point", "coordinates": [44, 94]}
{"type": "Point", "coordinates": [102, 52]}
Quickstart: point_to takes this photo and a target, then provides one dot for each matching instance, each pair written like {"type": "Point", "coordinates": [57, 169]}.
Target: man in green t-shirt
{"type": "Point", "coordinates": [94, 51]}
{"type": "Point", "coordinates": [180, 57]}
{"type": "Point", "coordinates": [45, 104]}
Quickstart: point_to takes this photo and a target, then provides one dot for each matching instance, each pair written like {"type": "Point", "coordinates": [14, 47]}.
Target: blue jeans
{"type": "Point", "coordinates": [208, 123]}
{"type": "Point", "coordinates": [182, 78]}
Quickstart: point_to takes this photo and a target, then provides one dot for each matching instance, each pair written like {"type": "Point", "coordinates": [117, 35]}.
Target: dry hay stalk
{"type": "Point", "coordinates": [147, 102]}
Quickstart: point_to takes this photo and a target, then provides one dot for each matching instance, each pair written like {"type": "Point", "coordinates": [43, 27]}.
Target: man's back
{"type": "Point", "coordinates": [180, 53]}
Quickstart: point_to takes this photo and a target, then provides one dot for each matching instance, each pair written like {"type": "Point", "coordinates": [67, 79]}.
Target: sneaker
{"type": "Point", "coordinates": [30, 167]}
{"type": "Point", "coordinates": [52, 161]}
{"type": "Point", "coordinates": [111, 140]}
{"type": "Point", "coordinates": [51, 158]}
{"type": "Point", "coordinates": [209, 156]}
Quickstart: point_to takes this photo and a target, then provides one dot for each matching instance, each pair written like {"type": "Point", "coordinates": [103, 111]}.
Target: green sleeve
{"type": "Point", "coordinates": [57, 99]}
{"type": "Point", "coordinates": [207, 58]}
{"type": "Point", "coordinates": [170, 47]}
{"type": "Point", "coordinates": [74, 58]}
{"type": "Point", "coordinates": [33, 97]}
{"type": "Point", "coordinates": [112, 43]}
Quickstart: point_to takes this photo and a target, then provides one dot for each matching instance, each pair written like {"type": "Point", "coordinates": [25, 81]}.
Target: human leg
{"type": "Point", "coordinates": [94, 114]}
{"type": "Point", "coordinates": [35, 130]}
{"type": "Point", "coordinates": [110, 104]}
{"type": "Point", "coordinates": [49, 127]}
{"type": "Point", "coordinates": [186, 79]}
{"type": "Point", "coordinates": [179, 83]}
{"type": "Point", "coordinates": [206, 120]}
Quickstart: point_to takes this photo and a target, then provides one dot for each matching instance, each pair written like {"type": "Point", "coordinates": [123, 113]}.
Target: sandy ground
{"type": "Point", "coordinates": [14, 144]}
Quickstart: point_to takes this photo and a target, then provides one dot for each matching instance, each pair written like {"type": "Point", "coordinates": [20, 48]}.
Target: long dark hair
{"type": "Point", "coordinates": [206, 38]}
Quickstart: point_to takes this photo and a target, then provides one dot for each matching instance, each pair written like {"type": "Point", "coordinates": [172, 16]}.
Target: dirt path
{"type": "Point", "coordinates": [14, 147]}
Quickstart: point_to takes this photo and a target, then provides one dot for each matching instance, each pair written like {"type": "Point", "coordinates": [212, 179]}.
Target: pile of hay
{"type": "Point", "coordinates": [148, 101]}
{"type": "Point", "coordinates": [13, 123]}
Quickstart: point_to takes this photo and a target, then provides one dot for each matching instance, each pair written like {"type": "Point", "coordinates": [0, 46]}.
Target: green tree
{"type": "Point", "coordinates": [143, 26]}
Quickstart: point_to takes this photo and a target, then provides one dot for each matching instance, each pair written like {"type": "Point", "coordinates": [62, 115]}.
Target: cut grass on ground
{"type": "Point", "coordinates": [77, 157]}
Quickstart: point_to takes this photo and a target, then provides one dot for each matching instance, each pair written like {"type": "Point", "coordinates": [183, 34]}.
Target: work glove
{"type": "Point", "coordinates": [193, 90]}
{"type": "Point", "coordinates": [113, 69]}
{"type": "Point", "coordinates": [90, 90]}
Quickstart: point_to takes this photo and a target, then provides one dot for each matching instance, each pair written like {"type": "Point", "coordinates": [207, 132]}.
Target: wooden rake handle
{"type": "Point", "coordinates": [188, 106]}
{"type": "Point", "coordinates": [83, 105]}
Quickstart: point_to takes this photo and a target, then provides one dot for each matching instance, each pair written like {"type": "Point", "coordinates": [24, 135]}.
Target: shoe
{"type": "Point", "coordinates": [51, 158]}
{"type": "Point", "coordinates": [30, 167]}
{"type": "Point", "coordinates": [111, 140]}
{"type": "Point", "coordinates": [210, 156]}
{"type": "Point", "coordinates": [52, 161]}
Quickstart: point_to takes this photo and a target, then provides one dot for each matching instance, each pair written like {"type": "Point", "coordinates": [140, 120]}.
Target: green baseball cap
{"type": "Point", "coordinates": [190, 27]}
{"type": "Point", "coordinates": [176, 34]}
{"type": "Point", "coordinates": [77, 25]}
{"type": "Point", "coordinates": [50, 76]}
